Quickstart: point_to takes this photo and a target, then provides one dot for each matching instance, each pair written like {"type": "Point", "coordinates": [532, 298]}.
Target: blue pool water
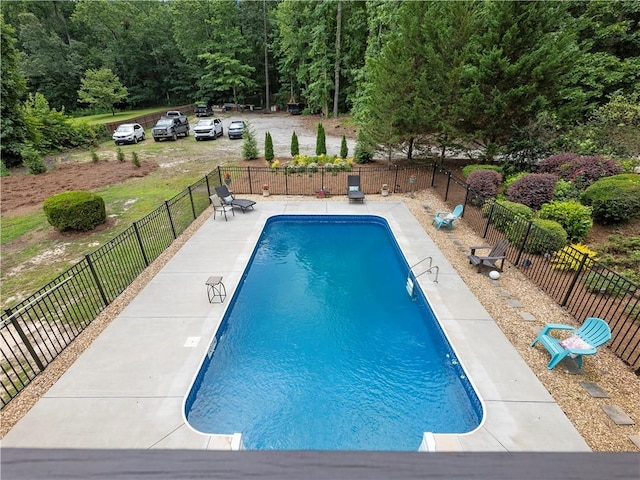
{"type": "Point", "coordinates": [322, 348]}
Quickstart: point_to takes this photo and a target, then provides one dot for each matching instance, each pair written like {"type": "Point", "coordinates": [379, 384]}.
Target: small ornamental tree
{"type": "Point", "coordinates": [268, 147]}
{"type": "Point", "coordinates": [250, 145]}
{"type": "Point", "coordinates": [344, 150]}
{"type": "Point", "coordinates": [321, 141]}
{"type": "Point", "coordinates": [102, 89]}
{"type": "Point", "coordinates": [295, 148]}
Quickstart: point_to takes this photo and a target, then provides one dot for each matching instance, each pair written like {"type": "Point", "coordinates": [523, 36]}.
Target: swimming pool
{"type": "Point", "coordinates": [321, 347]}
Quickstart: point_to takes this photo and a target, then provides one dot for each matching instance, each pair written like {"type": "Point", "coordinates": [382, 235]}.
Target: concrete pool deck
{"type": "Point", "coordinates": [126, 391]}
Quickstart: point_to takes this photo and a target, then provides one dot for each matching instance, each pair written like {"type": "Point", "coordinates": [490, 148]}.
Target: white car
{"type": "Point", "coordinates": [208, 128]}
{"type": "Point", "coordinates": [128, 133]}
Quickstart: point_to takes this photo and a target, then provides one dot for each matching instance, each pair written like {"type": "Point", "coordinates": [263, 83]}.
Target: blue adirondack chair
{"type": "Point", "coordinates": [583, 341]}
{"type": "Point", "coordinates": [446, 219]}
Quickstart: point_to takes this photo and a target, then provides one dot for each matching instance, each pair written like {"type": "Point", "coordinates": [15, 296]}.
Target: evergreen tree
{"type": "Point", "coordinates": [321, 141]}
{"type": "Point", "coordinates": [268, 147]}
{"type": "Point", "coordinates": [13, 131]}
{"type": "Point", "coordinates": [101, 88]}
{"type": "Point", "coordinates": [344, 150]}
{"type": "Point", "coordinates": [249, 145]}
{"type": "Point", "coordinates": [519, 67]}
{"type": "Point", "coordinates": [295, 148]}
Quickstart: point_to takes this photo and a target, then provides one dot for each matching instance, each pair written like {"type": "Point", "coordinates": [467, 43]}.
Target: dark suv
{"type": "Point", "coordinates": [203, 110]}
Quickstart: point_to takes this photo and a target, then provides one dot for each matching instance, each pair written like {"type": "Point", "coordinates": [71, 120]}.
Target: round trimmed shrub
{"type": "Point", "coordinates": [583, 171]}
{"type": "Point", "coordinates": [512, 178]}
{"type": "Point", "coordinates": [483, 185]}
{"type": "Point", "coordinates": [614, 199]}
{"type": "Point", "coordinates": [574, 217]}
{"type": "Point", "coordinates": [545, 236]}
{"type": "Point", "coordinates": [76, 210]}
{"type": "Point", "coordinates": [556, 164]}
{"type": "Point", "coordinates": [533, 190]}
{"type": "Point", "coordinates": [469, 169]}
{"type": "Point", "coordinates": [505, 212]}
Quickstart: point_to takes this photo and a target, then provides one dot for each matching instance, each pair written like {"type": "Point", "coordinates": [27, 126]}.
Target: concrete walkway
{"type": "Point", "coordinates": [127, 389]}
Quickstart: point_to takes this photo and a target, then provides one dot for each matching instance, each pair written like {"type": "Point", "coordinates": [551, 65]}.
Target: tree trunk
{"type": "Point", "coordinates": [410, 152]}
{"type": "Point", "coordinates": [336, 87]}
{"type": "Point", "coordinates": [266, 56]}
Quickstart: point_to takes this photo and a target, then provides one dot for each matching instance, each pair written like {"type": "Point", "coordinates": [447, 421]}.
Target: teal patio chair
{"type": "Point", "coordinates": [585, 340]}
{"type": "Point", "coordinates": [446, 219]}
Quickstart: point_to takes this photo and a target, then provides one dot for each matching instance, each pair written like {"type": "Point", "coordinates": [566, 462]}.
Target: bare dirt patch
{"type": "Point", "coordinates": [22, 194]}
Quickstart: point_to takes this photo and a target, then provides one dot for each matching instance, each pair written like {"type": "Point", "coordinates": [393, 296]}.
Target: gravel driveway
{"type": "Point", "coordinates": [281, 126]}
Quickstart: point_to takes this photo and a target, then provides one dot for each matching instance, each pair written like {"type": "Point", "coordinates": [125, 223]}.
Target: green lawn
{"type": "Point", "coordinates": [108, 117]}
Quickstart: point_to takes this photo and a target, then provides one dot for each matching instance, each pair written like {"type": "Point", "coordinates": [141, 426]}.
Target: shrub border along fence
{"type": "Point", "coordinates": [35, 331]}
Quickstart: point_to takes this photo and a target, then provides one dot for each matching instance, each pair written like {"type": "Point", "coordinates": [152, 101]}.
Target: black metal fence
{"type": "Point", "coordinates": [305, 180]}
{"type": "Point", "coordinates": [35, 331]}
{"type": "Point", "coordinates": [586, 288]}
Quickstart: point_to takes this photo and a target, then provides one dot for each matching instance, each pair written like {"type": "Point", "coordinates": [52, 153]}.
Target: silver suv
{"type": "Point", "coordinates": [235, 129]}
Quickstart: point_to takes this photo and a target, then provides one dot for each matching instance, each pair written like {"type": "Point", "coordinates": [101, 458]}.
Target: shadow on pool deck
{"type": "Point", "coordinates": [126, 391]}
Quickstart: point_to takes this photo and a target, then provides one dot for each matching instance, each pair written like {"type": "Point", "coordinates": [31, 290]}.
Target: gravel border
{"type": "Point", "coordinates": [584, 411]}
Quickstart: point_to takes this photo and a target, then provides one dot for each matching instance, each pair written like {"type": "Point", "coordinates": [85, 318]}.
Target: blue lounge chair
{"type": "Point", "coordinates": [446, 219]}
{"type": "Point", "coordinates": [583, 341]}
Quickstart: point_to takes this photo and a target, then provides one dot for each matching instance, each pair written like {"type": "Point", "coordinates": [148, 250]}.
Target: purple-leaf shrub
{"type": "Point", "coordinates": [556, 163]}
{"type": "Point", "coordinates": [484, 184]}
{"type": "Point", "coordinates": [533, 190]}
{"type": "Point", "coordinates": [583, 171]}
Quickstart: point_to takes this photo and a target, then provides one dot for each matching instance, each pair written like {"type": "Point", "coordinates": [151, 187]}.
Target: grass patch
{"type": "Point", "coordinates": [16, 227]}
{"type": "Point", "coordinates": [118, 117]}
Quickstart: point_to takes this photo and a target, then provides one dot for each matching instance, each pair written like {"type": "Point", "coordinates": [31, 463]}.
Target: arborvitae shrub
{"type": "Point", "coordinates": [614, 199]}
{"type": "Point", "coordinates": [483, 185]}
{"type": "Point", "coordinates": [268, 147]}
{"type": "Point", "coordinates": [466, 171]}
{"type": "Point", "coordinates": [295, 148]}
{"type": "Point", "coordinates": [321, 141]}
{"type": "Point", "coordinates": [135, 160]}
{"type": "Point", "coordinates": [545, 236]}
{"type": "Point", "coordinates": [533, 190]}
{"type": "Point", "coordinates": [76, 210]}
{"type": "Point", "coordinates": [344, 150]}
{"type": "Point", "coordinates": [94, 156]}
{"type": "Point", "coordinates": [120, 154]}
{"type": "Point", "coordinates": [574, 217]}
{"type": "Point", "coordinates": [4, 171]}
